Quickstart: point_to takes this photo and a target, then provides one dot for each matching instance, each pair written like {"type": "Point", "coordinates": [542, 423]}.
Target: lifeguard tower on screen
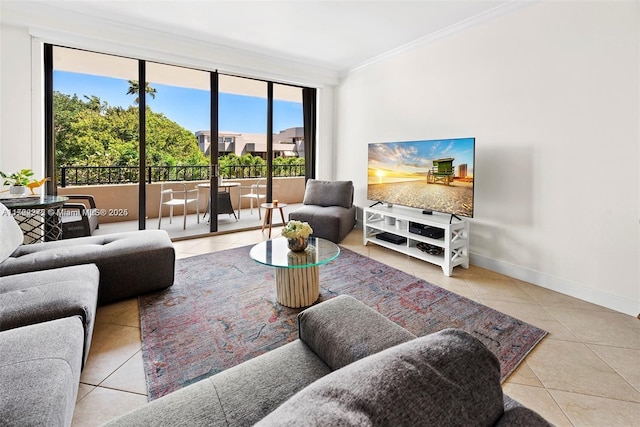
{"type": "Point", "coordinates": [441, 172]}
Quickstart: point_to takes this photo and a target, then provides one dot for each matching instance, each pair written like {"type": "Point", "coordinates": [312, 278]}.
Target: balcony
{"type": "Point", "coordinates": [115, 191]}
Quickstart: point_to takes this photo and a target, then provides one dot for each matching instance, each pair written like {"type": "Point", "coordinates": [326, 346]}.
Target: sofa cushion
{"type": "Point", "coordinates": [10, 233]}
{"type": "Point", "coordinates": [447, 378]}
{"type": "Point", "coordinates": [130, 263]}
{"type": "Point", "coordinates": [41, 296]}
{"type": "Point", "coordinates": [343, 330]}
{"type": "Point", "coordinates": [328, 222]}
{"type": "Point", "coordinates": [238, 396]}
{"type": "Point", "coordinates": [40, 372]}
{"type": "Point", "coordinates": [328, 193]}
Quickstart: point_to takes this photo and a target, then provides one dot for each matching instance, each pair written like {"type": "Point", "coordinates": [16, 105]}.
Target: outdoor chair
{"type": "Point", "coordinates": [253, 194]}
{"type": "Point", "coordinates": [79, 219]}
{"type": "Point", "coordinates": [176, 194]}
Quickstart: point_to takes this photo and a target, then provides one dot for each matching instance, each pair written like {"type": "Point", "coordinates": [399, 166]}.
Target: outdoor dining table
{"type": "Point", "coordinates": [227, 187]}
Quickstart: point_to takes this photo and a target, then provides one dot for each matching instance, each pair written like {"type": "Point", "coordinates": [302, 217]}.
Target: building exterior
{"type": "Point", "coordinates": [286, 143]}
{"type": "Point", "coordinates": [462, 170]}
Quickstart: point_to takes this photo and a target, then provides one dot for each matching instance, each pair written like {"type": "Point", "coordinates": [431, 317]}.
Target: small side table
{"type": "Point", "coordinates": [268, 214]}
{"type": "Point", "coordinates": [37, 216]}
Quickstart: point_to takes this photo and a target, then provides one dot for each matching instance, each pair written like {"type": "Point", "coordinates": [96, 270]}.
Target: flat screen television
{"type": "Point", "coordinates": [432, 175]}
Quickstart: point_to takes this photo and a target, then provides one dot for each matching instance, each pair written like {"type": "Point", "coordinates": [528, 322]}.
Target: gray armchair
{"type": "Point", "coordinates": [328, 208]}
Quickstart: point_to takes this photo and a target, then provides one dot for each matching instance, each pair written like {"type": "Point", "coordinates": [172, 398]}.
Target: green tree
{"type": "Point", "coordinates": [68, 110]}
{"type": "Point", "coordinates": [169, 143]}
{"type": "Point", "coordinates": [253, 165]}
{"type": "Point", "coordinates": [288, 166]}
{"type": "Point", "coordinates": [134, 89]}
{"type": "Point", "coordinates": [91, 133]}
{"type": "Point", "coordinates": [245, 166]}
{"type": "Point", "coordinates": [95, 103]}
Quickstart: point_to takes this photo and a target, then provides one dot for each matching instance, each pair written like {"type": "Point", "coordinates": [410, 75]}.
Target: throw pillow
{"type": "Point", "coordinates": [338, 345]}
{"type": "Point", "coordinates": [328, 193]}
{"type": "Point", "coordinates": [447, 378]}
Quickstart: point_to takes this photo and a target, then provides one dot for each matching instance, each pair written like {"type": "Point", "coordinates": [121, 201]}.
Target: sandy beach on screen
{"type": "Point", "coordinates": [456, 198]}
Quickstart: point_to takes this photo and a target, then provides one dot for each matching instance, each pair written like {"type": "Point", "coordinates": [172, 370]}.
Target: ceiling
{"type": "Point", "coordinates": [337, 35]}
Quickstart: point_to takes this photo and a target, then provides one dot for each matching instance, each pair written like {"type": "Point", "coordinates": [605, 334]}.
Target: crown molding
{"type": "Point", "coordinates": [56, 26]}
{"type": "Point", "coordinates": [445, 32]}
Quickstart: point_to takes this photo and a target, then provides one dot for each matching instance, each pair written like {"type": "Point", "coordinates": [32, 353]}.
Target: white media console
{"type": "Point", "coordinates": [395, 220]}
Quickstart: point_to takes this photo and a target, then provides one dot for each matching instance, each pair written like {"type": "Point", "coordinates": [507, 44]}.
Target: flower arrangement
{"type": "Point", "coordinates": [295, 229]}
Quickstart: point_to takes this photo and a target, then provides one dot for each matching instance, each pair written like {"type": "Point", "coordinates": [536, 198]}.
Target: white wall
{"type": "Point", "coordinates": [550, 92]}
{"type": "Point", "coordinates": [16, 149]}
{"type": "Point", "coordinates": [325, 149]}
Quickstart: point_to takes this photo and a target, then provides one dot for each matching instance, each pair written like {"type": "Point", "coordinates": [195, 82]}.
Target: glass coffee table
{"type": "Point", "coordinates": [297, 273]}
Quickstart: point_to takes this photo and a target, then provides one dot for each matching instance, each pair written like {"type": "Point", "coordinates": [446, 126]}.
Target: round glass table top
{"type": "Point", "coordinates": [276, 253]}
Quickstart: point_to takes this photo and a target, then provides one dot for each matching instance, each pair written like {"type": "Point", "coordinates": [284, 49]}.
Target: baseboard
{"type": "Point", "coordinates": [547, 281]}
{"type": "Point", "coordinates": [567, 287]}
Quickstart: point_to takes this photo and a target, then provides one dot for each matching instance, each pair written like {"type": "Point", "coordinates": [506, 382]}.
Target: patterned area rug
{"type": "Point", "coordinates": [222, 311]}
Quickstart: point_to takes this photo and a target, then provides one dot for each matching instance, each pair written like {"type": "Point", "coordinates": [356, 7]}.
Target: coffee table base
{"type": "Point", "coordinates": [297, 287]}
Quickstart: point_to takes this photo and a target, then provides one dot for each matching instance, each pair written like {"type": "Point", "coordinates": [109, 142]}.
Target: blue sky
{"type": "Point", "coordinates": [188, 107]}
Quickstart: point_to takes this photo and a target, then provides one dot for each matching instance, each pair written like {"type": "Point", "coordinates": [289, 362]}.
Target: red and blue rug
{"type": "Point", "coordinates": [222, 311]}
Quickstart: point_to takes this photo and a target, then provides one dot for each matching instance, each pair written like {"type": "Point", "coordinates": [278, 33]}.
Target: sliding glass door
{"type": "Point", "coordinates": [242, 144]}
{"type": "Point", "coordinates": [95, 131]}
{"type": "Point", "coordinates": [288, 144]}
{"type": "Point", "coordinates": [178, 107]}
{"type": "Point", "coordinates": [231, 143]}
{"type": "Point", "coordinates": [261, 142]}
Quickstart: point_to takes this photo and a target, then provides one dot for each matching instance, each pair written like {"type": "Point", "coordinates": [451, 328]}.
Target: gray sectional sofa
{"type": "Point", "coordinates": [350, 366]}
{"type": "Point", "coordinates": [42, 296]}
{"type": "Point", "coordinates": [130, 263]}
{"type": "Point", "coordinates": [40, 372]}
{"type": "Point", "coordinates": [49, 293]}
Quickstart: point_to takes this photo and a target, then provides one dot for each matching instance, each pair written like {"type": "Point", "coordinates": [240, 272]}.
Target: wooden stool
{"type": "Point", "coordinates": [268, 214]}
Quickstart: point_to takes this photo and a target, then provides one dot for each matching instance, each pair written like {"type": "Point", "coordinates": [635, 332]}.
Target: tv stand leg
{"type": "Point", "coordinates": [448, 271]}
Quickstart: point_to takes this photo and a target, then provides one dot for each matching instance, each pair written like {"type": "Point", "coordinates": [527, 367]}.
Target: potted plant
{"type": "Point", "coordinates": [297, 233]}
{"type": "Point", "coordinates": [17, 180]}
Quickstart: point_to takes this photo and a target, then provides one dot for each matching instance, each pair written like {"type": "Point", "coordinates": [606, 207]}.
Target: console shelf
{"type": "Point", "coordinates": [395, 220]}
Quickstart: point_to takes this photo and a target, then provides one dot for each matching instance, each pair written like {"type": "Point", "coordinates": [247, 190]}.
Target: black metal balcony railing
{"type": "Point", "coordinates": [101, 175]}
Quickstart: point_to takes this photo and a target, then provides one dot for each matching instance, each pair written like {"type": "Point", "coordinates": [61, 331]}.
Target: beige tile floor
{"type": "Point", "coordinates": [586, 372]}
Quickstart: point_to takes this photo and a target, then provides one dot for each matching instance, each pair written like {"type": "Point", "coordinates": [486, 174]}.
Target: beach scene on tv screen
{"type": "Point", "coordinates": [431, 174]}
